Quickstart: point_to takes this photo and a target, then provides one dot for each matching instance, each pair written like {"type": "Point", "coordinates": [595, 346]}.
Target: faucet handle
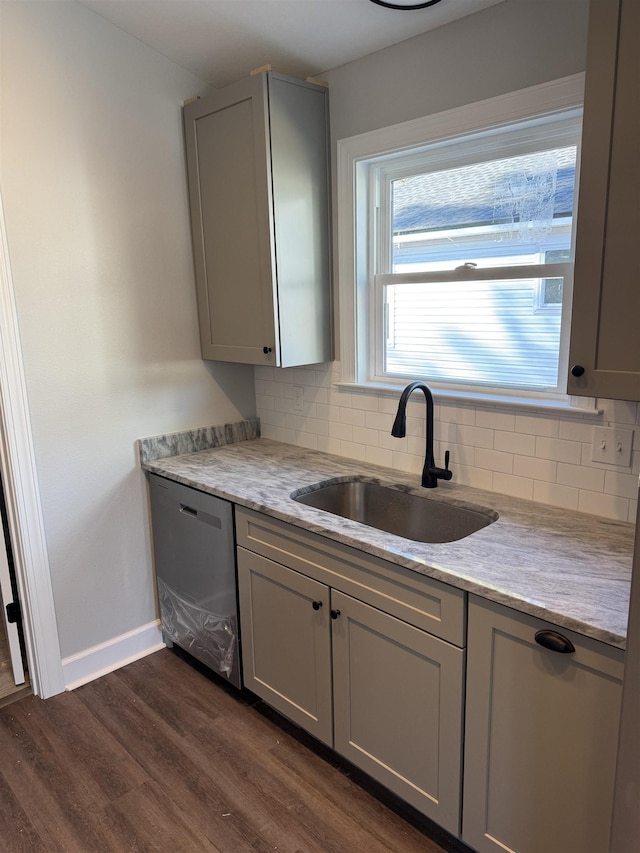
{"type": "Point", "coordinates": [441, 473]}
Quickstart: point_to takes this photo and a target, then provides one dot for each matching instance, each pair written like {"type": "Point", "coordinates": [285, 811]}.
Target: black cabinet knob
{"type": "Point", "coordinates": [335, 614]}
{"type": "Point", "coordinates": [577, 370]}
{"type": "Point", "coordinates": [316, 605]}
{"type": "Point", "coordinates": [266, 350]}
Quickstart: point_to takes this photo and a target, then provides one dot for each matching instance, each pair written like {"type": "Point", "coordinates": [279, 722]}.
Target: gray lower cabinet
{"type": "Point", "coordinates": [286, 644]}
{"type": "Point", "coordinates": [383, 692]}
{"type": "Point", "coordinates": [540, 737]}
{"type": "Point", "coordinates": [604, 354]}
{"type": "Point", "coordinates": [397, 706]}
{"type": "Point", "coordinates": [370, 658]}
{"type": "Point", "coordinates": [258, 171]}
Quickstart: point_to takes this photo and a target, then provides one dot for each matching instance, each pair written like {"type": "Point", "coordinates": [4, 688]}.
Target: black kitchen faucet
{"type": "Point", "coordinates": [430, 473]}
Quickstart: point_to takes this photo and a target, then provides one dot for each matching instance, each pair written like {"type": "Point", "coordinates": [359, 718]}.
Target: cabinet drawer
{"type": "Point", "coordinates": [421, 601]}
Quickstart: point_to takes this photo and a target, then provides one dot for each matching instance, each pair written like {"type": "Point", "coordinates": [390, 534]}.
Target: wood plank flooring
{"type": "Point", "coordinates": [159, 757]}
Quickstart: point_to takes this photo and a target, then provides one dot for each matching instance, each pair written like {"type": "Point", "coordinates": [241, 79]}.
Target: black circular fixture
{"type": "Point", "coordinates": [405, 5]}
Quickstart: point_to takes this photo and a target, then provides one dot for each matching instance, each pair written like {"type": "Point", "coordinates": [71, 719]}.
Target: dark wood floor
{"type": "Point", "coordinates": [158, 757]}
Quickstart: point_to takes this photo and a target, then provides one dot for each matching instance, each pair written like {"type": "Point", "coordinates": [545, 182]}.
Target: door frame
{"type": "Point", "coordinates": [22, 495]}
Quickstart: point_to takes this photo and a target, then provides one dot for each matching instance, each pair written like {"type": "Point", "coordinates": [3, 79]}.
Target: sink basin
{"type": "Point", "coordinates": [413, 516]}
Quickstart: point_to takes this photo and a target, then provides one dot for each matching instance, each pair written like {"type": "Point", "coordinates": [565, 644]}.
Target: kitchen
{"type": "Point", "coordinates": [92, 141]}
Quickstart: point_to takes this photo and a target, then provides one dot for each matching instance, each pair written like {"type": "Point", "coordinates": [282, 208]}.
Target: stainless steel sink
{"type": "Point", "coordinates": [408, 514]}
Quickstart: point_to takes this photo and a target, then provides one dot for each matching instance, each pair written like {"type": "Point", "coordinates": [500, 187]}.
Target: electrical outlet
{"type": "Point", "coordinates": [298, 398]}
{"type": "Point", "coordinates": [612, 446]}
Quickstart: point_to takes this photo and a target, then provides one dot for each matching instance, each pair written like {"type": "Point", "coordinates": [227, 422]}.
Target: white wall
{"type": "Point", "coordinates": [522, 452]}
{"type": "Point", "coordinates": [92, 174]}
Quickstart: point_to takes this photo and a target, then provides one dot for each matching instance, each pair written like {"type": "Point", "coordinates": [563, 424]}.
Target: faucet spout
{"type": "Point", "coordinates": [430, 472]}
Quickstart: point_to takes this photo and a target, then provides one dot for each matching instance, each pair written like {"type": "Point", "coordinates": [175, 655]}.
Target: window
{"type": "Point", "coordinates": [463, 254]}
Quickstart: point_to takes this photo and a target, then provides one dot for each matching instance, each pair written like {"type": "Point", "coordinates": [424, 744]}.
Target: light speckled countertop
{"type": "Point", "coordinates": [570, 568]}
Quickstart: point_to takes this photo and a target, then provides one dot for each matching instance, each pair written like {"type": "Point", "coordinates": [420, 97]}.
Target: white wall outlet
{"type": "Point", "coordinates": [612, 446]}
{"type": "Point", "coordinates": [298, 398]}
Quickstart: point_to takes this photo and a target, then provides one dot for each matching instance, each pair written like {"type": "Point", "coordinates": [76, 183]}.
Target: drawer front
{"type": "Point", "coordinates": [421, 601]}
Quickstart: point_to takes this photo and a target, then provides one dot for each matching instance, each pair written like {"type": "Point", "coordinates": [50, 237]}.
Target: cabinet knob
{"type": "Point", "coordinates": [335, 614]}
{"type": "Point", "coordinates": [577, 370]}
{"type": "Point", "coordinates": [555, 642]}
{"type": "Point", "coordinates": [316, 605]}
{"type": "Point", "coordinates": [266, 350]}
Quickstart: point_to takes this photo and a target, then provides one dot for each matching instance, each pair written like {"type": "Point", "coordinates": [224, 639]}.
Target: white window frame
{"type": "Point", "coordinates": [354, 229]}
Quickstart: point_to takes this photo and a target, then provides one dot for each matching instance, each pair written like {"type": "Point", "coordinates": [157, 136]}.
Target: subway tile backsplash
{"type": "Point", "coordinates": [535, 454]}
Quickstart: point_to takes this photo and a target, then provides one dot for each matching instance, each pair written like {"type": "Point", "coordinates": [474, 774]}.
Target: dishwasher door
{"type": "Point", "coordinates": [194, 554]}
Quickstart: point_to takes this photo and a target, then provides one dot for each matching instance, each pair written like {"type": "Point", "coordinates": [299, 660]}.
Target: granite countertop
{"type": "Point", "coordinates": [569, 568]}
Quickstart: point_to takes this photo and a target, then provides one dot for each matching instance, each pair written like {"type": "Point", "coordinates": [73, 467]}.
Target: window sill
{"type": "Point", "coordinates": [583, 406]}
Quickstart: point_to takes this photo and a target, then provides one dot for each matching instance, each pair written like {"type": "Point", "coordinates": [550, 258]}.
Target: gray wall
{"type": "Point", "coordinates": [95, 200]}
{"type": "Point", "coordinates": [506, 47]}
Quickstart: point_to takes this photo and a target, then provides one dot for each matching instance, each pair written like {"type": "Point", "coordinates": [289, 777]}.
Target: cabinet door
{"type": "Point", "coordinates": [300, 174]}
{"type": "Point", "coordinates": [606, 298]}
{"type": "Point", "coordinates": [540, 737]}
{"type": "Point", "coordinates": [398, 706]}
{"type": "Point", "coordinates": [258, 170]}
{"type": "Point", "coordinates": [229, 178]}
{"type": "Point", "coordinates": [286, 646]}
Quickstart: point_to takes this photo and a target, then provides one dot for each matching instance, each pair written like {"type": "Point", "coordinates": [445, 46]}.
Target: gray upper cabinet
{"type": "Point", "coordinates": [604, 351]}
{"type": "Point", "coordinates": [258, 172]}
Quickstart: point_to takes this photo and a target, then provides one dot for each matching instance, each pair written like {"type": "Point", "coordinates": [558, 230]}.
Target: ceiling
{"type": "Point", "coordinates": [221, 41]}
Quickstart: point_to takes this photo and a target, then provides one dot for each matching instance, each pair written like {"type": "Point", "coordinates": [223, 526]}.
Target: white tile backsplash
{"type": "Point", "coordinates": [494, 460]}
{"type": "Point", "coordinates": [379, 420]}
{"type": "Point", "coordinates": [517, 487]}
{"type": "Point", "coordinates": [581, 477]}
{"type": "Point", "coordinates": [475, 436]}
{"type": "Point", "coordinates": [379, 456]}
{"type": "Point", "coordinates": [609, 506]}
{"type": "Point", "coordinates": [352, 416]}
{"type": "Point", "coordinates": [535, 454]}
{"type": "Point", "coordinates": [535, 468]}
{"type": "Point", "coordinates": [558, 449]}
{"type": "Point", "coordinates": [556, 495]}
{"type": "Point", "coordinates": [515, 442]}
{"type": "Point", "coordinates": [576, 430]}
{"type": "Point", "coordinates": [496, 420]}
{"type": "Point", "coordinates": [624, 485]}
{"type": "Point", "coordinates": [620, 412]}
{"type": "Point", "coordinates": [542, 424]}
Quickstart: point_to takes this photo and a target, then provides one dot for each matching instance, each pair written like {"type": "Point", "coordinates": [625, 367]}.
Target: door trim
{"type": "Point", "coordinates": [22, 495]}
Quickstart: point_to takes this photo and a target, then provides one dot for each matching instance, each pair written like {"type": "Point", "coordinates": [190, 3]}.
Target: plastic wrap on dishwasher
{"type": "Point", "coordinates": [209, 637]}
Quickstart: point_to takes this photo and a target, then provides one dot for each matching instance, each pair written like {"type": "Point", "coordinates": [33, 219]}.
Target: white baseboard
{"type": "Point", "coordinates": [106, 657]}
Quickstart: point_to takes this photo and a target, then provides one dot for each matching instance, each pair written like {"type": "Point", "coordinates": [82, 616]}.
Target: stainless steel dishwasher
{"type": "Point", "coordinates": [194, 555]}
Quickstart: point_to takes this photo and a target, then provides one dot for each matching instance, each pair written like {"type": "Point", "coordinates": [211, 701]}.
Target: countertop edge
{"type": "Point", "coordinates": [459, 580]}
